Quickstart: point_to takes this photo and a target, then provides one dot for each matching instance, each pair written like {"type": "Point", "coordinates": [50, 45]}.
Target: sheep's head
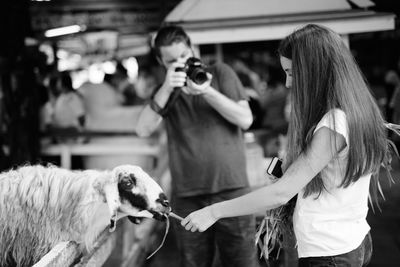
{"type": "Point", "coordinates": [133, 193]}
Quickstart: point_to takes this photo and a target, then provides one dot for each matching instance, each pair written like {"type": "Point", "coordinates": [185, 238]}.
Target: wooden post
{"type": "Point", "coordinates": [219, 53]}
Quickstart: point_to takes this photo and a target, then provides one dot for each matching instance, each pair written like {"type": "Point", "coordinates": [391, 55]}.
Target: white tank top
{"type": "Point", "coordinates": [335, 222]}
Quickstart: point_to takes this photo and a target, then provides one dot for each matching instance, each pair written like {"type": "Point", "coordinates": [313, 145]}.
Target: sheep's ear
{"type": "Point", "coordinates": [113, 202]}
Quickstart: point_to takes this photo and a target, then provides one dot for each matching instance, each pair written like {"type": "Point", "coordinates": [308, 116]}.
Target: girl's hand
{"type": "Point", "coordinates": [199, 220]}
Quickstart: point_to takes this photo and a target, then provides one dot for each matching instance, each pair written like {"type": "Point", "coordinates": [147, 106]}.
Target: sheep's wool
{"type": "Point", "coordinates": [42, 206]}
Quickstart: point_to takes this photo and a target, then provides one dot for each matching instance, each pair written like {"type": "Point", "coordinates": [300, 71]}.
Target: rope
{"type": "Point", "coordinates": [163, 240]}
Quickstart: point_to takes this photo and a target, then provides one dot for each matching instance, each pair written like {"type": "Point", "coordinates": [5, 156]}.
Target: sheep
{"type": "Point", "coordinates": [41, 206]}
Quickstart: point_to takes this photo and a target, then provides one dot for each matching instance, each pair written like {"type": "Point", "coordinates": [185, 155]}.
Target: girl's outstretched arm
{"type": "Point", "coordinates": [323, 148]}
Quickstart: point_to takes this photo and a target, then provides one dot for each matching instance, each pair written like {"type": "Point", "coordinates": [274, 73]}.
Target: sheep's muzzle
{"type": "Point", "coordinates": [166, 208]}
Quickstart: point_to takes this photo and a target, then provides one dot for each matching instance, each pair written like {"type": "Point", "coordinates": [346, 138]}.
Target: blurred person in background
{"type": "Point", "coordinates": [254, 100]}
{"type": "Point", "coordinates": [120, 81]}
{"type": "Point", "coordinates": [393, 81]}
{"type": "Point", "coordinates": [204, 123]}
{"type": "Point", "coordinates": [274, 102]}
{"type": "Point", "coordinates": [251, 84]}
{"type": "Point", "coordinates": [381, 88]}
{"type": "Point", "coordinates": [65, 109]}
{"type": "Point", "coordinates": [100, 97]}
{"type": "Point", "coordinates": [145, 85]}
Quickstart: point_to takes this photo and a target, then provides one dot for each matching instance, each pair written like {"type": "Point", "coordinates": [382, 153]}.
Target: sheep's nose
{"type": "Point", "coordinates": [162, 199]}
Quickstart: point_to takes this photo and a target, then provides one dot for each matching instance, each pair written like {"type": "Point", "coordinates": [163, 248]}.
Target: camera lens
{"type": "Point", "coordinates": [199, 76]}
{"type": "Point", "coordinates": [195, 70]}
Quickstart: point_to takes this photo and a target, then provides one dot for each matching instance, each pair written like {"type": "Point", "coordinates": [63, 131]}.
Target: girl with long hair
{"type": "Point", "coordinates": [337, 142]}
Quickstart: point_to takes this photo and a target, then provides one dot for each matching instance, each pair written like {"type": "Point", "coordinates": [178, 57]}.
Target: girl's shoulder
{"type": "Point", "coordinates": [335, 119]}
{"type": "Point", "coordinates": [333, 116]}
{"type": "Point", "coordinates": [335, 112]}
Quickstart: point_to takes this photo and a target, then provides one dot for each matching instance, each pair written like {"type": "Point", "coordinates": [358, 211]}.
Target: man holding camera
{"type": "Point", "coordinates": [205, 110]}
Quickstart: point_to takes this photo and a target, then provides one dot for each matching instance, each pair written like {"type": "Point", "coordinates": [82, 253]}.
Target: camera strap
{"type": "Point", "coordinates": [172, 99]}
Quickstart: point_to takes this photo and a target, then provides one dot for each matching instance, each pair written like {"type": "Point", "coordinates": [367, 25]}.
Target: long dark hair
{"type": "Point", "coordinates": [325, 76]}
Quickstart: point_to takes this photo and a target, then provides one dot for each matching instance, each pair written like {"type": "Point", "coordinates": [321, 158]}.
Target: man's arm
{"type": "Point", "coordinates": [238, 113]}
{"type": "Point", "coordinates": [147, 122]}
{"type": "Point", "coordinates": [149, 119]}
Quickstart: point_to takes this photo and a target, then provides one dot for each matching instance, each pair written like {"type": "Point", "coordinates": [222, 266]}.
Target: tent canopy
{"type": "Point", "coordinates": [224, 21]}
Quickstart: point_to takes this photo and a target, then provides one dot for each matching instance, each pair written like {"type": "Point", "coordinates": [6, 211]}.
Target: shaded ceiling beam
{"type": "Point", "coordinates": [95, 5]}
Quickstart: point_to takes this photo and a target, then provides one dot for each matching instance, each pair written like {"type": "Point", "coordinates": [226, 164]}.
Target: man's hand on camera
{"type": "Point", "coordinates": [193, 88]}
{"type": "Point", "coordinates": [173, 78]}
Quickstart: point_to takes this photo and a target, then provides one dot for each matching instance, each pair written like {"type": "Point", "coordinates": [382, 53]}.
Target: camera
{"type": "Point", "coordinates": [194, 69]}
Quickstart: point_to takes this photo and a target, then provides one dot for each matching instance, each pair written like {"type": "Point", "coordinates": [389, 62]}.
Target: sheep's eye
{"type": "Point", "coordinates": [127, 185]}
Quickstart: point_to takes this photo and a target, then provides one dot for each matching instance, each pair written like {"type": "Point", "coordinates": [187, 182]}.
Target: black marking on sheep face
{"type": "Point", "coordinates": [143, 193]}
{"type": "Point", "coordinates": [125, 185]}
{"type": "Point", "coordinates": [136, 200]}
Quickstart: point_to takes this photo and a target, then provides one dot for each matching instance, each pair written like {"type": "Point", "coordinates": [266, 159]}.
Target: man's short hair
{"type": "Point", "coordinates": [168, 35]}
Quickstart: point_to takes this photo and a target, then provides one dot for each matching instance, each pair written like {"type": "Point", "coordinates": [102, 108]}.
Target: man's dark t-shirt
{"type": "Point", "coordinates": [206, 152]}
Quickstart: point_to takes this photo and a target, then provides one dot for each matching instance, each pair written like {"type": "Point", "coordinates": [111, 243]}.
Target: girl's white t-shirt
{"type": "Point", "coordinates": [335, 222]}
